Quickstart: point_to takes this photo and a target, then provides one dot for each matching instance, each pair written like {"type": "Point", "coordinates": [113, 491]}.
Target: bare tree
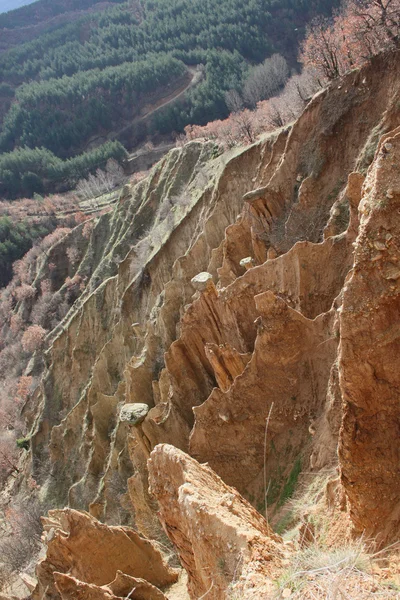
{"type": "Point", "coordinates": [245, 122]}
{"type": "Point", "coordinates": [359, 30]}
{"type": "Point", "coordinates": [321, 49]}
{"type": "Point", "coordinates": [265, 80]}
{"type": "Point", "coordinates": [234, 101]}
{"type": "Point", "coordinates": [304, 85]}
{"type": "Point", "coordinates": [8, 455]}
{"type": "Point", "coordinates": [22, 536]}
{"type": "Point", "coordinates": [101, 183]}
{"type": "Point", "coordinates": [378, 21]}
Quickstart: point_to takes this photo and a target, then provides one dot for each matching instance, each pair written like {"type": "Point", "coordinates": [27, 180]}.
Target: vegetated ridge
{"type": "Point", "coordinates": [75, 84]}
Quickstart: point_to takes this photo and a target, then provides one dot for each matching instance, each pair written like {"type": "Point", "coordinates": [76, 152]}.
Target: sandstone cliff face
{"type": "Point", "coordinates": [288, 336]}
{"type": "Point", "coordinates": [369, 354]}
{"type": "Point", "coordinates": [110, 349]}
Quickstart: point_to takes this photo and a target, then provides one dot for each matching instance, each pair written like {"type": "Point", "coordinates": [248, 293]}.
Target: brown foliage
{"type": "Point", "coordinates": [243, 126]}
{"type": "Point", "coordinates": [33, 338]}
{"type": "Point", "coordinates": [11, 359]}
{"type": "Point", "coordinates": [53, 238]}
{"type": "Point", "coordinates": [16, 322]}
{"type": "Point", "coordinates": [24, 291]}
{"type": "Point", "coordinates": [49, 310]}
{"type": "Point", "coordinates": [138, 176]}
{"type": "Point", "coordinates": [361, 29]}
{"type": "Point", "coordinates": [80, 217]}
{"type": "Point", "coordinates": [239, 127]}
{"type": "Point", "coordinates": [87, 229]}
{"type": "Point", "coordinates": [23, 388]}
{"type": "Point", "coordinates": [73, 255]}
{"type": "Point", "coordinates": [38, 210]}
{"type": "Point", "coordinates": [29, 307]}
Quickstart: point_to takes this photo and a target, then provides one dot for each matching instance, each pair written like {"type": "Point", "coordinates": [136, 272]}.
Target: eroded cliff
{"type": "Point", "coordinates": [250, 300]}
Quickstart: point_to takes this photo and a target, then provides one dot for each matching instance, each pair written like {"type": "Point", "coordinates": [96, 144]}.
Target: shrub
{"type": "Point", "coordinates": [24, 291]}
{"type": "Point", "coordinates": [49, 310]}
{"type": "Point", "coordinates": [16, 323]}
{"type": "Point", "coordinates": [73, 255]}
{"type": "Point", "coordinates": [80, 217]}
{"type": "Point", "coordinates": [33, 338]}
{"type": "Point", "coordinates": [87, 229]}
{"type": "Point", "coordinates": [23, 388]}
{"type": "Point", "coordinates": [11, 360]}
{"type": "Point", "coordinates": [24, 529]}
{"type": "Point", "coordinates": [23, 443]}
{"type": "Point", "coordinates": [53, 238]}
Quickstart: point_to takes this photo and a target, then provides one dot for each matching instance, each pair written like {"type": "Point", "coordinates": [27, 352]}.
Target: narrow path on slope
{"type": "Point", "coordinates": [196, 77]}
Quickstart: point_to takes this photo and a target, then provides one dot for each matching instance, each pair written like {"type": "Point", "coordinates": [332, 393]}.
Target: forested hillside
{"type": "Point", "coordinates": [89, 78]}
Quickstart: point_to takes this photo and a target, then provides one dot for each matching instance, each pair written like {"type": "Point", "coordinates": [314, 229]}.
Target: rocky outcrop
{"type": "Point", "coordinates": [84, 555]}
{"type": "Point", "coordinates": [221, 539]}
{"type": "Point", "coordinates": [287, 377]}
{"type": "Point", "coordinates": [216, 403]}
{"type": "Point", "coordinates": [200, 350]}
{"type": "Point", "coordinates": [369, 359]}
{"type": "Point", "coordinates": [122, 587]}
{"type": "Point", "coordinates": [103, 356]}
{"type": "Point", "coordinates": [230, 311]}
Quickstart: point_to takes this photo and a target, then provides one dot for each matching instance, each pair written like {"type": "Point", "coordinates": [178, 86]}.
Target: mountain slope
{"type": "Point", "coordinates": [157, 336]}
{"type": "Point", "coordinates": [75, 85]}
{"type": "Point", "coordinates": [234, 320]}
{"type": "Point", "coordinates": [7, 5]}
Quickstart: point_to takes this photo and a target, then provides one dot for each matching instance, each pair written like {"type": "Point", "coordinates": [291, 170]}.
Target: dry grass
{"type": "Point", "coordinates": [307, 505]}
{"type": "Point", "coordinates": [346, 573]}
{"type": "Point", "coordinates": [325, 565]}
{"type": "Point", "coordinates": [318, 573]}
{"type": "Point", "coordinates": [316, 564]}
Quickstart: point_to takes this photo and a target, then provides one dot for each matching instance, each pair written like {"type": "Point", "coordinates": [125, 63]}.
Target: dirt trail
{"type": "Point", "coordinates": [149, 110]}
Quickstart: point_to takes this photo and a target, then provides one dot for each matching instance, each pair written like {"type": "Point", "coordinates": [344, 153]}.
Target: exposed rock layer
{"type": "Point", "coordinates": [370, 355]}
{"type": "Point", "coordinates": [89, 552]}
{"type": "Point", "coordinates": [220, 537]}
{"type": "Point", "coordinates": [121, 588]}
{"type": "Point", "coordinates": [247, 365]}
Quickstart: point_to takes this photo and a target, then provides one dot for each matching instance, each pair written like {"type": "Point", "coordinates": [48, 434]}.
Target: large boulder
{"type": "Point", "coordinates": [222, 541]}
{"type": "Point", "coordinates": [133, 414]}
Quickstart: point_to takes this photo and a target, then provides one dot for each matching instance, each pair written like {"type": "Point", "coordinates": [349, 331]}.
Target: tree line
{"type": "Point", "coordinates": [269, 98]}
{"type": "Point", "coordinates": [61, 114]}
{"type": "Point", "coordinates": [26, 171]}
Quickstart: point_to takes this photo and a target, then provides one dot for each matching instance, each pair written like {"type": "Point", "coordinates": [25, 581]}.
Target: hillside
{"type": "Point", "coordinates": [36, 13]}
{"type": "Point", "coordinates": [220, 347]}
{"type": "Point", "coordinates": [76, 85]}
{"type": "Point", "coordinates": [8, 5]}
